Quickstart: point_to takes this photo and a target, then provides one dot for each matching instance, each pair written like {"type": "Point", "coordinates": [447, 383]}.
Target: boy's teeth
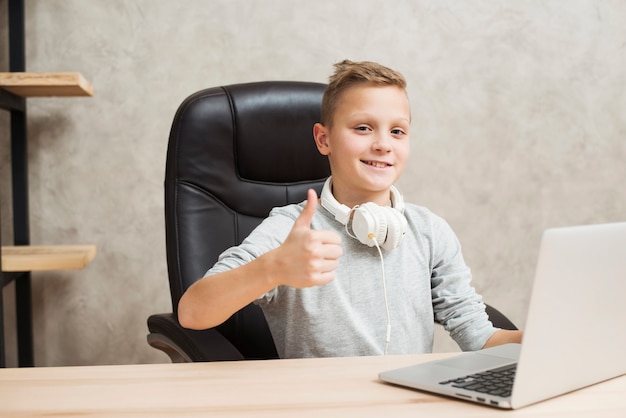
{"type": "Point", "coordinates": [375, 164]}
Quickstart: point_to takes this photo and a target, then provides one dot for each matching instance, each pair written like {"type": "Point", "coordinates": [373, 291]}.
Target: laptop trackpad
{"type": "Point", "coordinates": [475, 361]}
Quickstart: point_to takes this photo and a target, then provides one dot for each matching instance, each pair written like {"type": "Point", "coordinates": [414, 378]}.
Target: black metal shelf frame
{"type": "Point", "coordinates": [19, 170]}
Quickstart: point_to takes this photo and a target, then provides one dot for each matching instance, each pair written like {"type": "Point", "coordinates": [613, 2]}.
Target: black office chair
{"type": "Point", "coordinates": [234, 153]}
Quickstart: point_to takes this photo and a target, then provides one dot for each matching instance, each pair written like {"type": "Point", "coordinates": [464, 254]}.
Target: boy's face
{"type": "Point", "coordinates": [367, 144]}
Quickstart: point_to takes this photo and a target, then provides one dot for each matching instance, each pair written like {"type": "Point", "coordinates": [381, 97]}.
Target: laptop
{"type": "Point", "coordinates": [574, 334]}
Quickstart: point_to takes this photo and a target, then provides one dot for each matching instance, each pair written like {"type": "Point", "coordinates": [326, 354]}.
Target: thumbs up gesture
{"type": "Point", "coordinates": [306, 258]}
{"type": "Point", "coordinates": [309, 257]}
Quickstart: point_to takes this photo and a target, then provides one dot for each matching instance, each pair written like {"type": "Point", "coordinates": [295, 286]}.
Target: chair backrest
{"type": "Point", "coordinates": [234, 153]}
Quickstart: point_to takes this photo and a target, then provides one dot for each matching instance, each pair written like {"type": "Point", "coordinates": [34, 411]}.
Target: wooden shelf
{"type": "Point", "coordinates": [32, 84]}
{"type": "Point", "coordinates": [46, 258]}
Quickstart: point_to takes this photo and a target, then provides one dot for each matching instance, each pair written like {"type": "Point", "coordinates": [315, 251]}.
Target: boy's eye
{"type": "Point", "coordinates": [362, 128]}
{"type": "Point", "coordinates": [397, 131]}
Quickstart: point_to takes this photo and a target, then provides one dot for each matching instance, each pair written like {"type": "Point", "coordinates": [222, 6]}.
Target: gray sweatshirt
{"type": "Point", "coordinates": [426, 279]}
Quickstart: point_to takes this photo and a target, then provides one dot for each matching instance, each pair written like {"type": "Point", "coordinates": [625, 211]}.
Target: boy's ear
{"type": "Point", "coordinates": [320, 133]}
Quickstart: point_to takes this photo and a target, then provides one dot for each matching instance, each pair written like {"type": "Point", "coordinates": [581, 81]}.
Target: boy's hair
{"type": "Point", "coordinates": [348, 74]}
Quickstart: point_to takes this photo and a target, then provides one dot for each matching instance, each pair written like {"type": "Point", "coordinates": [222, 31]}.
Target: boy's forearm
{"type": "Point", "coordinates": [504, 336]}
{"type": "Point", "coordinates": [213, 299]}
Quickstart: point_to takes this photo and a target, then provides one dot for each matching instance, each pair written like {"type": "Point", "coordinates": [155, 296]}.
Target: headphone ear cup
{"type": "Point", "coordinates": [369, 219]}
{"type": "Point", "coordinates": [396, 228]}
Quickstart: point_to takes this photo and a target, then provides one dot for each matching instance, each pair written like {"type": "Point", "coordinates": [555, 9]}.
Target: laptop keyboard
{"type": "Point", "coordinates": [497, 382]}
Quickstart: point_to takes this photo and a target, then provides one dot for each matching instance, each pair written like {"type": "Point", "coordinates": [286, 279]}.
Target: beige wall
{"type": "Point", "coordinates": [519, 125]}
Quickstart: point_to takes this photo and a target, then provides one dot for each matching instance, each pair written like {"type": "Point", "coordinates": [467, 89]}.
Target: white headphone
{"type": "Point", "coordinates": [370, 222]}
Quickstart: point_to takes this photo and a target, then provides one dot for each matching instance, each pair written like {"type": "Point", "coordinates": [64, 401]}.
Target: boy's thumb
{"type": "Point", "coordinates": [304, 220]}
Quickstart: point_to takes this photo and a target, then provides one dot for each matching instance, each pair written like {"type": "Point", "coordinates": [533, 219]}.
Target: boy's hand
{"type": "Point", "coordinates": [309, 257]}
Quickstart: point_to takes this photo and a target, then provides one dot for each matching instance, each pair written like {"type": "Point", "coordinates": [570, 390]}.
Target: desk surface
{"type": "Point", "coordinates": [273, 388]}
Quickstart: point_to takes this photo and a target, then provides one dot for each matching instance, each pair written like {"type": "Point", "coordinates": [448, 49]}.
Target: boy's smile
{"type": "Point", "coordinates": [367, 143]}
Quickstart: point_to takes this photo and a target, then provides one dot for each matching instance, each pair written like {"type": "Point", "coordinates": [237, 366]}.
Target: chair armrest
{"type": "Point", "coordinates": [185, 345]}
{"type": "Point", "coordinates": [498, 319]}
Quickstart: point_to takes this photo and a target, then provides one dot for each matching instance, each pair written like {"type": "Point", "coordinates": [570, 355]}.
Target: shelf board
{"type": "Point", "coordinates": [33, 84]}
{"type": "Point", "coordinates": [46, 258]}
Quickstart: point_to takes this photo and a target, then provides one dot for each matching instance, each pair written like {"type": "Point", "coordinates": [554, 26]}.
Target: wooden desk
{"type": "Point", "coordinates": [335, 387]}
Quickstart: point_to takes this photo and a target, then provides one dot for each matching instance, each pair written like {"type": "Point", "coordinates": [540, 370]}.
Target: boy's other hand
{"type": "Point", "coordinates": [309, 257]}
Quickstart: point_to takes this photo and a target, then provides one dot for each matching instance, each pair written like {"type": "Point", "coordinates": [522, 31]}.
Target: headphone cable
{"type": "Point", "coordinates": [382, 265]}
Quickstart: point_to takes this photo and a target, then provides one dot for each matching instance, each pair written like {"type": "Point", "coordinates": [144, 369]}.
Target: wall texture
{"type": "Point", "coordinates": [519, 125]}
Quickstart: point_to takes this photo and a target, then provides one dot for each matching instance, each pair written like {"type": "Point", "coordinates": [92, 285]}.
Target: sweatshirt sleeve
{"type": "Point", "coordinates": [269, 234]}
{"type": "Point", "coordinates": [456, 304]}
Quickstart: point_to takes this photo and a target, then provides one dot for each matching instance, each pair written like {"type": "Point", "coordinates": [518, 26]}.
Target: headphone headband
{"type": "Point", "coordinates": [342, 212]}
{"type": "Point", "coordinates": [371, 224]}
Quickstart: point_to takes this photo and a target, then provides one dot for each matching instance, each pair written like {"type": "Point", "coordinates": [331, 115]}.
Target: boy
{"type": "Point", "coordinates": [318, 271]}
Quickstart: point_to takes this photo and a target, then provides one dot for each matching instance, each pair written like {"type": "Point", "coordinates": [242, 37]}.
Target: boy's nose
{"type": "Point", "coordinates": [382, 143]}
